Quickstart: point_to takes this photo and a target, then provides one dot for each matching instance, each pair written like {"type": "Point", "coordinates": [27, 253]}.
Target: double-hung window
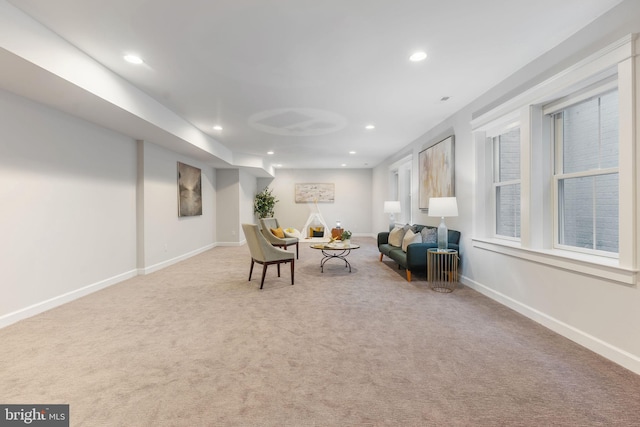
{"type": "Point", "coordinates": [506, 183]}
{"type": "Point", "coordinates": [578, 165]}
{"type": "Point", "coordinates": [586, 175]}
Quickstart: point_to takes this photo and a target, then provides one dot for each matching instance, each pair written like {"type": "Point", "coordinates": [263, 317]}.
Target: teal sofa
{"type": "Point", "coordinates": [415, 259]}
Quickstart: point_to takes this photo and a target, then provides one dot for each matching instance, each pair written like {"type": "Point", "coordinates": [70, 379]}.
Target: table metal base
{"type": "Point", "coordinates": [330, 255]}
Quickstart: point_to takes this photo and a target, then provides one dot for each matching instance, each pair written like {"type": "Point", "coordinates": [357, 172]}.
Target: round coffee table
{"type": "Point", "coordinates": [335, 250]}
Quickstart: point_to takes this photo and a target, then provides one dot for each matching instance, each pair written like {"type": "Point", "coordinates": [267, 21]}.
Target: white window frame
{"type": "Point", "coordinates": [492, 139]}
{"type": "Point", "coordinates": [617, 62]}
{"type": "Point", "coordinates": [401, 188]}
{"type": "Point", "coordinates": [549, 111]}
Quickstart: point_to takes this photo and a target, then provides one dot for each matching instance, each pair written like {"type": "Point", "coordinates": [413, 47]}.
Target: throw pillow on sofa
{"type": "Point", "coordinates": [397, 234]}
{"type": "Point", "coordinates": [409, 238]}
{"type": "Point", "coordinates": [429, 235]}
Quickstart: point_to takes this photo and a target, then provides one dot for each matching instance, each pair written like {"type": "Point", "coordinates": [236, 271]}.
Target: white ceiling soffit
{"type": "Point", "coordinates": [299, 78]}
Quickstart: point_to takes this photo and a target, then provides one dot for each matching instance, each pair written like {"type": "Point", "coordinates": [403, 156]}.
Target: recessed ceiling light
{"type": "Point", "coordinates": [343, 165]}
{"type": "Point", "coordinates": [418, 56]}
{"type": "Point", "coordinates": [270, 152]}
{"type": "Point", "coordinates": [352, 152]}
{"type": "Point", "coordinates": [217, 127]}
{"type": "Point", "coordinates": [369, 127]}
{"type": "Point", "coordinates": [134, 59]}
{"type": "Point", "coordinates": [277, 165]}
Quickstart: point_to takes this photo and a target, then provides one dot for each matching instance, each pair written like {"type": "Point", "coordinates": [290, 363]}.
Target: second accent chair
{"type": "Point", "coordinates": [262, 252]}
{"type": "Point", "coordinates": [269, 224]}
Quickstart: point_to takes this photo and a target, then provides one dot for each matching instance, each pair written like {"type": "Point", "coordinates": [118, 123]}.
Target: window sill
{"type": "Point", "coordinates": [591, 265]}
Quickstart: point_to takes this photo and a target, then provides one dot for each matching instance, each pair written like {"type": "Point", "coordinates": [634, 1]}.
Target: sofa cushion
{"type": "Point", "coordinates": [398, 256]}
{"type": "Point", "coordinates": [429, 235]}
{"type": "Point", "coordinates": [409, 238]}
{"type": "Point", "coordinates": [386, 248]}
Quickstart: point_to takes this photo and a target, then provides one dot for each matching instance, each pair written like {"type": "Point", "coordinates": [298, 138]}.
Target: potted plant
{"type": "Point", "coordinates": [346, 237]}
{"type": "Point", "coordinates": [264, 203]}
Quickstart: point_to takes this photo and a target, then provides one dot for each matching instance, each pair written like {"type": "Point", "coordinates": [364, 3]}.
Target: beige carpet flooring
{"type": "Point", "coordinates": [196, 344]}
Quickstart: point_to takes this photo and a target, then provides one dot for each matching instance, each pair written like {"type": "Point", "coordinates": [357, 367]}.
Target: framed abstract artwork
{"type": "Point", "coordinates": [436, 169]}
{"type": "Point", "coordinates": [189, 190]}
{"type": "Point", "coordinates": [305, 193]}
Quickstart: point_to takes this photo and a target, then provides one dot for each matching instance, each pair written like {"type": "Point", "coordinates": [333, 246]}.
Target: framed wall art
{"type": "Point", "coordinates": [189, 190]}
{"type": "Point", "coordinates": [305, 193]}
{"type": "Point", "coordinates": [436, 168]}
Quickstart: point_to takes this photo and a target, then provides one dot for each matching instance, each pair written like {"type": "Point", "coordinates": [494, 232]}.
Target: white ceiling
{"type": "Point", "coordinates": [302, 78]}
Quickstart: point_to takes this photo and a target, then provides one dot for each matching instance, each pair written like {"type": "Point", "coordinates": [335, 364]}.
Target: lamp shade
{"type": "Point", "coordinates": [392, 207]}
{"type": "Point", "coordinates": [443, 206]}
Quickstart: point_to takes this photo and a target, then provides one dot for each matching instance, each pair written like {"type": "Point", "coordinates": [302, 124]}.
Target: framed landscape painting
{"type": "Point", "coordinates": [322, 192]}
{"type": "Point", "coordinates": [436, 168]}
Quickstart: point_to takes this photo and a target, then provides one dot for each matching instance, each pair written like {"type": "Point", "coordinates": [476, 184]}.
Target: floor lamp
{"type": "Point", "coordinates": [443, 206]}
{"type": "Point", "coordinates": [392, 207]}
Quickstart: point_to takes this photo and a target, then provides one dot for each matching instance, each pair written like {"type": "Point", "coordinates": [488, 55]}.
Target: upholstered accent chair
{"type": "Point", "coordinates": [262, 252]}
{"type": "Point", "coordinates": [268, 224]}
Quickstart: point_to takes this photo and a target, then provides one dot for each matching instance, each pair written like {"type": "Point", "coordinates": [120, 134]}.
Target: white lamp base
{"type": "Point", "coordinates": [443, 236]}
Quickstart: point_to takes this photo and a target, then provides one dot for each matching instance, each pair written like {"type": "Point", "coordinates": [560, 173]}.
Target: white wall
{"type": "Point", "coordinates": [68, 212]}
{"type": "Point", "coordinates": [84, 207]}
{"type": "Point", "coordinates": [169, 238]}
{"type": "Point", "coordinates": [603, 315]}
{"type": "Point", "coordinates": [248, 190]}
{"type": "Point", "coordinates": [353, 195]}
{"type": "Point", "coordinates": [228, 214]}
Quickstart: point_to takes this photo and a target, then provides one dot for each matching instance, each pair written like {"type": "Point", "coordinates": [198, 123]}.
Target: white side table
{"type": "Point", "coordinates": [442, 269]}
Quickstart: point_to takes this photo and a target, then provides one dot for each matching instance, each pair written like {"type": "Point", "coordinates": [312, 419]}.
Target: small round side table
{"type": "Point", "coordinates": [442, 269]}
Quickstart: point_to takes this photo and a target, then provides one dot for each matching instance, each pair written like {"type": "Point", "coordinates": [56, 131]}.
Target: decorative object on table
{"type": "Point", "coordinates": [392, 207]}
{"type": "Point", "coordinates": [189, 190]}
{"type": "Point", "coordinates": [262, 252]}
{"type": "Point", "coordinates": [442, 207]}
{"type": "Point", "coordinates": [324, 193]}
{"type": "Point", "coordinates": [276, 235]}
{"type": "Point", "coordinates": [436, 169]}
{"type": "Point", "coordinates": [442, 269]}
{"type": "Point", "coordinates": [336, 233]}
{"type": "Point", "coordinates": [346, 237]}
{"type": "Point", "coordinates": [264, 203]}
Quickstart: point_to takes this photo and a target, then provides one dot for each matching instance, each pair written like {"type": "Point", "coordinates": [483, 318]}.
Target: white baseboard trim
{"type": "Point", "coordinates": [59, 300]}
{"type": "Point", "coordinates": [232, 244]}
{"type": "Point", "coordinates": [164, 264]}
{"type": "Point", "coordinates": [604, 349]}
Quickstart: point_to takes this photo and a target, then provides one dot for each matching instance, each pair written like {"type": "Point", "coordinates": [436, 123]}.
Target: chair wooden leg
{"type": "Point", "coordinates": [408, 276]}
{"type": "Point", "coordinates": [381, 255]}
{"type": "Point", "coordinates": [278, 269]}
{"type": "Point", "coordinates": [251, 269]}
{"type": "Point", "coordinates": [292, 262]}
{"type": "Point", "coordinates": [296, 252]}
{"type": "Point", "coordinates": [264, 272]}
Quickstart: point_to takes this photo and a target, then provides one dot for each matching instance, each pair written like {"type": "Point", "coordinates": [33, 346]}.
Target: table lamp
{"type": "Point", "coordinates": [392, 207]}
{"type": "Point", "coordinates": [443, 206]}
